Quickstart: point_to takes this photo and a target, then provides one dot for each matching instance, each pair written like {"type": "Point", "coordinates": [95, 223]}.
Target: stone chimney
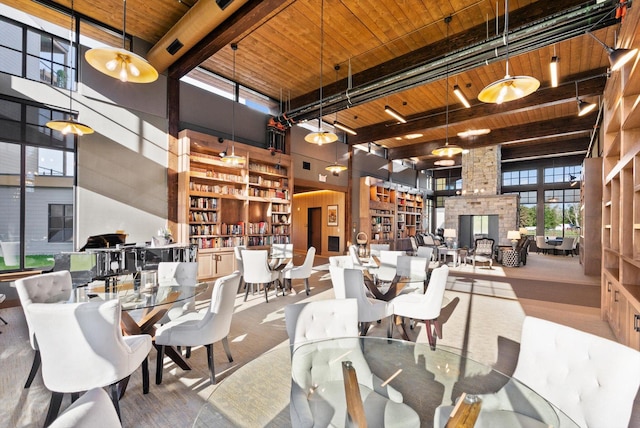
{"type": "Point", "coordinates": [481, 179]}
{"type": "Point", "coordinates": [481, 171]}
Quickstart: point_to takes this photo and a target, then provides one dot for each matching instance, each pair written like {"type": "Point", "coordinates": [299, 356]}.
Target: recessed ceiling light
{"type": "Point", "coordinates": [412, 136]}
{"type": "Point", "coordinates": [473, 132]}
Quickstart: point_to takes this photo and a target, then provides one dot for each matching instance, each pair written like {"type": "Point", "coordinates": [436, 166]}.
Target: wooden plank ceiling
{"type": "Point", "coordinates": [365, 42]}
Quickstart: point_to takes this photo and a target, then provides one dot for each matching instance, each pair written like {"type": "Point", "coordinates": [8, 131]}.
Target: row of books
{"type": "Point", "coordinates": [223, 242]}
{"type": "Point", "coordinates": [269, 193]}
{"type": "Point", "coordinates": [271, 169]}
{"type": "Point", "coordinates": [260, 181]}
{"type": "Point", "coordinates": [221, 189]}
{"type": "Point", "coordinates": [260, 227]}
{"type": "Point", "coordinates": [205, 203]}
{"type": "Point", "coordinates": [205, 229]}
{"type": "Point", "coordinates": [219, 175]}
{"type": "Point", "coordinates": [280, 230]}
{"type": "Point", "coordinates": [203, 216]}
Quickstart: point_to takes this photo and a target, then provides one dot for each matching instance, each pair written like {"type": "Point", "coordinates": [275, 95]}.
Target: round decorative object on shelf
{"type": "Point", "coordinates": [283, 219]}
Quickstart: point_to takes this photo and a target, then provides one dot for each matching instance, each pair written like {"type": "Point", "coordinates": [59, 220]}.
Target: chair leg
{"type": "Point", "coordinates": [246, 292]}
{"type": "Point", "coordinates": [54, 407]}
{"type": "Point", "coordinates": [212, 373]}
{"type": "Point", "coordinates": [364, 328]}
{"type": "Point", "coordinates": [159, 364]}
{"type": "Point", "coordinates": [145, 375]}
{"type": "Point", "coordinates": [266, 291]}
{"type": "Point", "coordinates": [122, 386]}
{"type": "Point", "coordinates": [34, 369]}
{"type": "Point", "coordinates": [74, 397]}
{"type": "Point", "coordinates": [188, 354]}
{"type": "Point", "coordinates": [306, 286]}
{"type": "Point", "coordinates": [3, 320]}
{"type": "Point", "coordinates": [113, 391]}
{"type": "Point", "coordinates": [430, 336]}
{"type": "Point", "coordinates": [225, 344]}
{"type": "Point", "coordinates": [438, 328]}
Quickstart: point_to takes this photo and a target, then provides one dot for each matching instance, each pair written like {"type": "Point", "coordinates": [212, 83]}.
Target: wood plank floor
{"type": "Point", "coordinates": [483, 319]}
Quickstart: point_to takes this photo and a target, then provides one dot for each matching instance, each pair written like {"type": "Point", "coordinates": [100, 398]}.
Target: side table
{"type": "Point", "coordinates": [510, 258]}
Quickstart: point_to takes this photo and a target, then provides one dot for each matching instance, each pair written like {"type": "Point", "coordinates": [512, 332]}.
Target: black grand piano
{"type": "Point", "coordinates": [105, 257]}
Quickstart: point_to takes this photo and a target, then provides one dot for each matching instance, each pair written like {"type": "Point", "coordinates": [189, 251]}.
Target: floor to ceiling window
{"type": "Point", "coordinates": [37, 176]}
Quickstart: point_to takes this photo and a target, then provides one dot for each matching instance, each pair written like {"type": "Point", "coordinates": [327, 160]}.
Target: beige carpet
{"type": "Point", "coordinates": [487, 328]}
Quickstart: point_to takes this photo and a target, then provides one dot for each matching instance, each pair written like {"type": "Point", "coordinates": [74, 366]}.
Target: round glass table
{"type": "Point", "coordinates": [426, 382]}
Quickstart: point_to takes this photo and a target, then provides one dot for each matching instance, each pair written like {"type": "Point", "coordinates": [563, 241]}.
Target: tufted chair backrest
{"type": "Point", "coordinates": [484, 247]}
{"type": "Point", "coordinates": [42, 289]}
{"type": "Point", "coordinates": [323, 319]}
{"type": "Point", "coordinates": [341, 261]}
{"type": "Point", "coordinates": [591, 379]}
{"type": "Point", "coordinates": [177, 273]}
{"type": "Point", "coordinates": [81, 344]}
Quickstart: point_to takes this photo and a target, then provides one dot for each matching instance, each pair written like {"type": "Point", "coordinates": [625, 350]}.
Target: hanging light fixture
{"type": "Point", "coordinates": [121, 63]}
{"type": "Point", "coordinates": [394, 114]}
{"type": "Point", "coordinates": [233, 159]}
{"type": "Point", "coordinates": [321, 136]}
{"type": "Point", "coordinates": [70, 126]}
{"type": "Point", "coordinates": [553, 69]}
{"type": "Point", "coordinates": [617, 57]}
{"type": "Point", "coordinates": [336, 168]}
{"type": "Point", "coordinates": [458, 93]}
{"type": "Point", "coordinates": [583, 106]}
{"type": "Point", "coordinates": [447, 150]}
{"type": "Point", "coordinates": [510, 87]}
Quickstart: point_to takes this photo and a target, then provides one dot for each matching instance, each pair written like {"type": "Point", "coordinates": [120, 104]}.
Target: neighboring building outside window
{"type": "Point", "coordinates": [60, 223]}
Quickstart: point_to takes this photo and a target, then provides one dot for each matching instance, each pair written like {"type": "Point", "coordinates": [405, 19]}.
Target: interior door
{"type": "Point", "coordinates": [314, 228]}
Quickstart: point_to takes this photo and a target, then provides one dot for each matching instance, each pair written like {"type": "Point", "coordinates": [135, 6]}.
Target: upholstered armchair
{"type": "Point", "coordinates": [320, 364]}
{"type": "Point", "coordinates": [369, 309]}
{"type": "Point", "coordinates": [482, 252]}
{"type": "Point", "coordinates": [92, 409]}
{"type": "Point", "coordinates": [260, 271]}
{"type": "Point", "coordinates": [178, 273]}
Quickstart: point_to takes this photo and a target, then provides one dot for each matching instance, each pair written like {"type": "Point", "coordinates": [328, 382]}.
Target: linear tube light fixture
{"type": "Point", "coordinates": [344, 128]}
{"type": "Point", "coordinates": [458, 93]}
{"type": "Point", "coordinates": [583, 107]}
{"type": "Point", "coordinates": [397, 116]}
{"type": "Point", "coordinates": [553, 68]}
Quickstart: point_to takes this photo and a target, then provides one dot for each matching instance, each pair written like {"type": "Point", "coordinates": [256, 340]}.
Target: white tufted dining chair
{"type": "Point", "coordinates": [204, 327]}
{"type": "Point", "coordinates": [425, 307]}
{"type": "Point", "coordinates": [178, 273]}
{"type": "Point", "coordinates": [92, 409]}
{"type": "Point", "coordinates": [369, 309]}
{"type": "Point", "coordinates": [82, 347]}
{"type": "Point", "coordinates": [40, 289]}
{"type": "Point", "coordinates": [260, 271]}
{"type": "Point", "coordinates": [321, 365]}
{"type": "Point", "coordinates": [592, 380]}
{"type": "Point", "coordinates": [301, 272]}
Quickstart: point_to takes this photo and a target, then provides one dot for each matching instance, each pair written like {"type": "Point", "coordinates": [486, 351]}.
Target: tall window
{"type": "Point", "coordinates": [562, 215]}
{"type": "Point", "coordinates": [37, 174]}
{"type": "Point", "coordinates": [561, 174]}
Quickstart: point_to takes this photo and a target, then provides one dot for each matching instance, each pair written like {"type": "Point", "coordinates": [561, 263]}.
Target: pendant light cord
{"type": "Point", "coordinates": [321, 55]}
{"type": "Point", "coordinates": [234, 47]}
{"type": "Point", "coordinates": [124, 24]}
{"type": "Point", "coordinates": [447, 20]}
{"type": "Point", "coordinates": [506, 31]}
{"type": "Point", "coordinates": [70, 82]}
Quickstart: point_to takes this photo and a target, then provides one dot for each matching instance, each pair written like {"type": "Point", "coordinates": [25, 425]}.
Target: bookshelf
{"type": "Point", "coordinates": [620, 227]}
{"type": "Point", "coordinates": [221, 206]}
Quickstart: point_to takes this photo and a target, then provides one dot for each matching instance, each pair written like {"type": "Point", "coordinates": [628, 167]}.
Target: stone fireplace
{"type": "Point", "coordinates": [480, 196]}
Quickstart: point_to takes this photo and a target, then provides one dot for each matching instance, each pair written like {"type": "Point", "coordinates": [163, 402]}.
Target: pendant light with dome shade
{"type": "Point", "coordinates": [508, 88]}
{"type": "Point", "coordinates": [321, 136]}
{"type": "Point", "coordinates": [121, 63]}
{"type": "Point", "coordinates": [448, 150]}
{"type": "Point", "coordinates": [336, 168]}
{"type": "Point", "coordinates": [233, 159]}
{"type": "Point", "coordinates": [70, 125]}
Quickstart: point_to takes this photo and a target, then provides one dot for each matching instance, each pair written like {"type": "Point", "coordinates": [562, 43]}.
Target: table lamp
{"type": "Point", "coordinates": [513, 236]}
{"type": "Point", "coordinates": [449, 235]}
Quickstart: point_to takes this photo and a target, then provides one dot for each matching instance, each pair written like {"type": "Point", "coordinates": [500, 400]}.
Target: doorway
{"type": "Point", "coordinates": [471, 227]}
{"type": "Point", "coordinates": [314, 228]}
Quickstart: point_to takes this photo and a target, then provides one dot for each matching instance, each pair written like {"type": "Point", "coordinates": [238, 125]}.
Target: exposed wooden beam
{"type": "Point", "coordinates": [545, 148]}
{"type": "Point", "coordinates": [436, 118]}
{"type": "Point", "coordinates": [523, 16]}
{"type": "Point", "coordinates": [249, 15]}
{"type": "Point", "coordinates": [562, 126]}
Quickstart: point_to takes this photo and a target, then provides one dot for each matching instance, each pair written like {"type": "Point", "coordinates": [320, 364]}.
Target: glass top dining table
{"type": "Point", "coordinates": [259, 393]}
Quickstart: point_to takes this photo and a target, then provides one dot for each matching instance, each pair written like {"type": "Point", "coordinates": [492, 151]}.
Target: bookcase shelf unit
{"type": "Point", "coordinates": [389, 211]}
{"type": "Point", "coordinates": [221, 206]}
{"type": "Point", "coordinates": [620, 281]}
